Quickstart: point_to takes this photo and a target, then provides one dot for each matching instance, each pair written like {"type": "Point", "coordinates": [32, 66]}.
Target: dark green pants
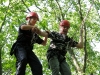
{"type": "Point", "coordinates": [58, 68]}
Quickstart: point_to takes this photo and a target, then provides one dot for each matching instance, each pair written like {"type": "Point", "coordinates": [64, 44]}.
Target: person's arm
{"type": "Point", "coordinates": [80, 44]}
{"type": "Point", "coordinates": [28, 27]}
{"type": "Point", "coordinates": [44, 41]}
{"type": "Point", "coordinates": [45, 35]}
{"type": "Point", "coordinates": [39, 32]}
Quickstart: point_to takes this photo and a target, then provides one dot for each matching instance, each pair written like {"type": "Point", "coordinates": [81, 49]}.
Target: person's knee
{"type": "Point", "coordinates": [22, 62]}
{"type": "Point", "coordinates": [55, 69]}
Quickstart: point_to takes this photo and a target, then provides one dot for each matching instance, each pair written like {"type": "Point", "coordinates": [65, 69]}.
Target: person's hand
{"type": "Point", "coordinates": [35, 29]}
{"type": "Point", "coordinates": [47, 31]}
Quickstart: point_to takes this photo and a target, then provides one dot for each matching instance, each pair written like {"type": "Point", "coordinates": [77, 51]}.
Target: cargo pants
{"type": "Point", "coordinates": [59, 68]}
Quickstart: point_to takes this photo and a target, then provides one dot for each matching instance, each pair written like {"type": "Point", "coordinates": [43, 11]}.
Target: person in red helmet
{"type": "Point", "coordinates": [22, 48]}
{"type": "Point", "coordinates": [60, 42]}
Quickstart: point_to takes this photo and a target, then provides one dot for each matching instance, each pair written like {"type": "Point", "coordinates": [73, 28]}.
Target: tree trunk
{"type": "Point", "coordinates": [75, 62]}
{"type": "Point", "coordinates": [0, 64]}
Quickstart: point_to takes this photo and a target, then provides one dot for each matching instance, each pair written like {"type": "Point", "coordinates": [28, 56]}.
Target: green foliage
{"type": "Point", "coordinates": [51, 12]}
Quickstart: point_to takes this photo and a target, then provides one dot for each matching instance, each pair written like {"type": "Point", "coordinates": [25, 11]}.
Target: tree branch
{"type": "Point", "coordinates": [60, 9]}
{"type": "Point", "coordinates": [4, 18]}
{"type": "Point", "coordinates": [76, 64]}
{"type": "Point", "coordinates": [81, 16]}
{"type": "Point", "coordinates": [38, 7]}
{"type": "Point", "coordinates": [26, 6]}
{"type": "Point", "coordinates": [81, 27]}
{"type": "Point", "coordinates": [1, 46]}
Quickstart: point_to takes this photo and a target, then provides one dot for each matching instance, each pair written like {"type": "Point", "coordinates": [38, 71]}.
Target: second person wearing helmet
{"type": "Point", "coordinates": [22, 48]}
{"type": "Point", "coordinates": [58, 48]}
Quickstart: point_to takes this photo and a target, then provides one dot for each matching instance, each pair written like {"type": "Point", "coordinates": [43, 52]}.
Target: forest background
{"type": "Point", "coordinates": [84, 61]}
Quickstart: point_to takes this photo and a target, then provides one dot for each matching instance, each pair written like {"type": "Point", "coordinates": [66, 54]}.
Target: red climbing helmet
{"type": "Point", "coordinates": [65, 23]}
{"type": "Point", "coordinates": [32, 14]}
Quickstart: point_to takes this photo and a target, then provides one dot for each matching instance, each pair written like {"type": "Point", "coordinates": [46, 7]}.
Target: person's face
{"type": "Point", "coordinates": [63, 29]}
{"type": "Point", "coordinates": [33, 20]}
